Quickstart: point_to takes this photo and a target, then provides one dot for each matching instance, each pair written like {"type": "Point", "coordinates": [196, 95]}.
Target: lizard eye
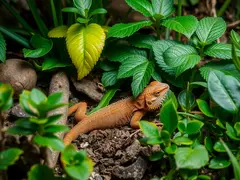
{"type": "Point", "coordinates": [157, 93]}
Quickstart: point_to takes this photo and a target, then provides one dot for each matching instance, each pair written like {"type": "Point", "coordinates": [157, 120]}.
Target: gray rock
{"type": "Point", "coordinates": [17, 111]}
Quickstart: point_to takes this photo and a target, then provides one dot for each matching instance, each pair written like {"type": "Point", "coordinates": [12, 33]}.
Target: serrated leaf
{"type": "Point", "coordinates": [181, 57]}
{"type": "Point", "coordinates": [210, 28]}
{"type": "Point", "coordinates": [125, 30]}
{"type": "Point", "coordinates": [85, 44]}
{"type": "Point", "coordinates": [130, 65]}
{"type": "Point", "coordinates": [183, 24]}
{"type": "Point", "coordinates": [235, 39]}
{"type": "Point", "coordinates": [142, 41]}
{"type": "Point", "coordinates": [159, 47]}
{"type": "Point", "coordinates": [42, 47]}
{"type": "Point", "coordinates": [224, 90]}
{"type": "Point", "coordinates": [142, 6]}
{"type": "Point", "coordinates": [2, 49]}
{"type": "Point", "coordinates": [226, 67]}
{"type": "Point", "coordinates": [109, 78]}
{"type": "Point", "coordinates": [141, 77]}
{"type": "Point", "coordinates": [83, 6]}
{"type": "Point", "coordinates": [220, 50]}
{"type": "Point", "coordinates": [58, 32]}
{"type": "Point", "coordinates": [188, 158]}
{"type": "Point", "coordinates": [162, 7]}
{"type": "Point", "coordinates": [8, 157]}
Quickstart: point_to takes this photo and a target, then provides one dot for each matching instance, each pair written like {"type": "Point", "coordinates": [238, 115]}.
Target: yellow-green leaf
{"type": "Point", "coordinates": [58, 32]}
{"type": "Point", "coordinates": [85, 44]}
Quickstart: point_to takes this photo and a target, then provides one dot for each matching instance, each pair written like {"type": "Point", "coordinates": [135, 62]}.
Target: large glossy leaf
{"type": "Point", "coordinates": [220, 50]}
{"type": "Point", "coordinates": [224, 90]}
{"type": "Point", "coordinates": [58, 32]}
{"type": "Point", "coordinates": [188, 158]}
{"type": "Point", "coordinates": [142, 6]}
{"type": "Point", "coordinates": [159, 47]}
{"type": "Point", "coordinates": [168, 116]}
{"type": "Point", "coordinates": [8, 157]}
{"type": "Point", "coordinates": [42, 47]}
{"type": "Point", "coordinates": [162, 8]}
{"type": "Point", "coordinates": [83, 6]}
{"type": "Point", "coordinates": [124, 30]}
{"type": "Point", "coordinates": [210, 28]}
{"type": "Point", "coordinates": [183, 24]}
{"type": "Point", "coordinates": [2, 49]}
{"type": "Point", "coordinates": [225, 66]}
{"type": "Point", "coordinates": [85, 44]}
{"type": "Point", "coordinates": [181, 57]}
{"type": "Point", "coordinates": [141, 77]}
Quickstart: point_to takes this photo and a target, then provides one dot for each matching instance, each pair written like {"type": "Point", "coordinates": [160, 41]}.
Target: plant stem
{"type": "Point", "coordinates": [54, 14]}
{"type": "Point", "coordinates": [21, 40]}
{"type": "Point", "coordinates": [58, 6]}
{"type": "Point", "coordinates": [187, 98]}
{"type": "Point", "coordinates": [179, 13]}
{"type": "Point", "coordinates": [41, 25]}
{"type": "Point", "coordinates": [158, 28]}
{"type": "Point", "coordinates": [223, 8]}
{"type": "Point", "coordinates": [17, 16]}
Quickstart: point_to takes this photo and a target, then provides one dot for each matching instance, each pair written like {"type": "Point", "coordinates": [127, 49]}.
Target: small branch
{"type": "Point", "coordinates": [233, 24]}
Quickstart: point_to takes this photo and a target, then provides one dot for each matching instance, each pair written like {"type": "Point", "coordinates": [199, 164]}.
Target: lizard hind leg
{"type": "Point", "coordinates": [80, 109]}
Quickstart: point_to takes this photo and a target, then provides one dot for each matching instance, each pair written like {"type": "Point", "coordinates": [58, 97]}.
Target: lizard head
{"type": "Point", "coordinates": [154, 94]}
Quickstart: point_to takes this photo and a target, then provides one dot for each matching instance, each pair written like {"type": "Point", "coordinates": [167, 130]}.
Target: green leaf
{"type": "Point", "coordinates": [171, 149]}
{"type": "Point", "coordinates": [38, 96]}
{"type": "Point", "coordinates": [159, 47]}
{"type": "Point", "coordinates": [52, 119]}
{"type": "Point", "coordinates": [51, 63]}
{"type": "Point", "coordinates": [210, 28]}
{"type": "Point", "coordinates": [142, 6]}
{"type": "Point", "coordinates": [225, 66]}
{"type": "Point", "coordinates": [162, 8]}
{"type": "Point", "coordinates": [237, 128]}
{"type": "Point", "coordinates": [220, 50]}
{"type": "Point", "coordinates": [235, 38]}
{"type": "Point", "coordinates": [27, 124]}
{"type": "Point", "coordinates": [55, 98]}
{"type": "Point", "coordinates": [181, 57]}
{"type": "Point", "coordinates": [204, 108]}
{"type": "Point", "coordinates": [20, 130]}
{"type": "Point", "coordinates": [83, 6]}
{"type": "Point", "coordinates": [219, 147]}
{"type": "Point", "coordinates": [82, 20]}
{"type": "Point", "coordinates": [6, 94]}
{"type": "Point", "coordinates": [122, 30]}
{"type": "Point", "coordinates": [204, 177]}
{"type": "Point", "coordinates": [156, 156]}
{"type": "Point", "coordinates": [9, 157]}
{"type": "Point", "coordinates": [182, 99]}
{"type": "Point", "coordinates": [2, 49]}
{"type": "Point", "coordinates": [141, 77]}
{"type": "Point", "coordinates": [98, 11]}
{"type": "Point", "coordinates": [186, 25]}
{"type": "Point", "coordinates": [85, 44]}
{"type": "Point", "coordinates": [231, 132]}
{"type": "Point", "coordinates": [224, 90]}
{"type": "Point", "coordinates": [49, 141]}
{"type": "Point", "coordinates": [109, 78]}
{"type": "Point", "coordinates": [150, 130]}
{"type": "Point", "coordinates": [27, 105]}
{"type": "Point", "coordinates": [156, 75]}
{"type": "Point", "coordinates": [58, 32]}
{"type": "Point", "coordinates": [71, 10]}
{"type": "Point", "coordinates": [188, 158]}
{"type": "Point", "coordinates": [42, 47]}
{"type": "Point", "coordinates": [208, 143]}
{"type": "Point", "coordinates": [142, 41]}
{"type": "Point", "coordinates": [235, 163]}
{"type": "Point", "coordinates": [203, 84]}
{"type": "Point", "coordinates": [235, 58]}
{"type": "Point", "coordinates": [182, 140]}
{"type": "Point", "coordinates": [56, 128]}
{"type": "Point", "coordinates": [194, 126]}
{"type": "Point", "coordinates": [219, 163]}
{"type": "Point", "coordinates": [168, 116]}
{"type": "Point", "coordinates": [130, 65]}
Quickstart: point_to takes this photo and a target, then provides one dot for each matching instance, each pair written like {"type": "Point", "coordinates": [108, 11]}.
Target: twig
{"type": "Point", "coordinates": [233, 24]}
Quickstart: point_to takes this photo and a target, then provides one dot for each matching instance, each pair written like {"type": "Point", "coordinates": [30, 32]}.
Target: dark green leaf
{"type": "Point", "coordinates": [204, 177]}
{"type": "Point", "coordinates": [49, 141]}
{"type": "Point", "coordinates": [125, 30]}
{"type": "Point", "coordinates": [231, 132]}
{"type": "Point", "coordinates": [142, 6]}
{"type": "Point", "coordinates": [237, 128]}
{"type": "Point", "coordinates": [203, 84]}
{"type": "Point", "coordinates": [71, 10]}
{"type": "Point", "coordinates": [98, 11]}
{"type": "Point", "coordinates": [183, 24]}
{"type": "Point", "coordinates": [42, 47]}
{"type": "Point", "coordinates": [168, 116]}
{"type": "Point", "coordinates": [219, 163]}
{"type": "Point", "coordinates": [52, 119]}
{"type": "Point", "coordinates": [156, 156]}
{"type": "Point", "coordinates": [208, 143]}
{"type": "Point", "coordinates": [162, 8]}
{"type": "Point", "coordinates": [171, 149]}
{"type": "Point", "coordinates": [142, 41]}
{"type": "Point", "coordinates": [182, 140]}
{"type": "Point", "coordinates": [141, 77]}
{"type": "Point", "coordinates": [82, 20]}
{"type": "Point", "coordinates": [182, 99]}
{"type": "Point", "coordinates": [194, 126]}
{"type": "Point", "coordinates": [224, 90]}
{"type": "Point", "coordinates": [109, 78]}
{"type": "Point", "coordinates": [56, 128]}
{"type": "Point", "coordinates": [2, 49]}
{"type": "Point", "coordinates": [156, 75]}
{"type": "Point", "coordinates": [26, 123]}
{"type": "Point", "coordinates": [83, 6]}
{"type": "Point", "coordinates": [205, 109]}
{"type": "Point", "coordinates": [8, 157]}
{"type": "Point", "coordinates": [235, 39]}
{"type": "Point", "coordinates": [219, 147]}
{"type": "Point", "coordinates": [51, 63]}
{"type": "Point", "coordinates": [189, 158]}
{"type": "Point", "coordinates": [20, 130]}
{"type": "Point", "coordinates": [210, 29]}
{"type": "Point", "coordinates": [235, 57]}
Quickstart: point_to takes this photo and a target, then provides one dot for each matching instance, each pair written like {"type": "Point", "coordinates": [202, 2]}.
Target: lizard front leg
{"type": "Point", "coordinates": [135, 118]}
{"type": "Point", "coordinates": [80, 109]}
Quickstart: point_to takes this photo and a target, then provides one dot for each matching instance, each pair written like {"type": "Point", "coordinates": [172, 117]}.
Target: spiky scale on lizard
{"type": "Point", "coordinates": [119, 113]}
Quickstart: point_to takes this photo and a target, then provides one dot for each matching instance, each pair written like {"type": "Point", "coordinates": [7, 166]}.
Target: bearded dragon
{"type": "Point", "coordinates": [120, 113]}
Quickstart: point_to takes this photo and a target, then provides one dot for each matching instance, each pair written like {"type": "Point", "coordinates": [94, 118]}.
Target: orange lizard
{"type": "Point", "coordinates": [117, 114]}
